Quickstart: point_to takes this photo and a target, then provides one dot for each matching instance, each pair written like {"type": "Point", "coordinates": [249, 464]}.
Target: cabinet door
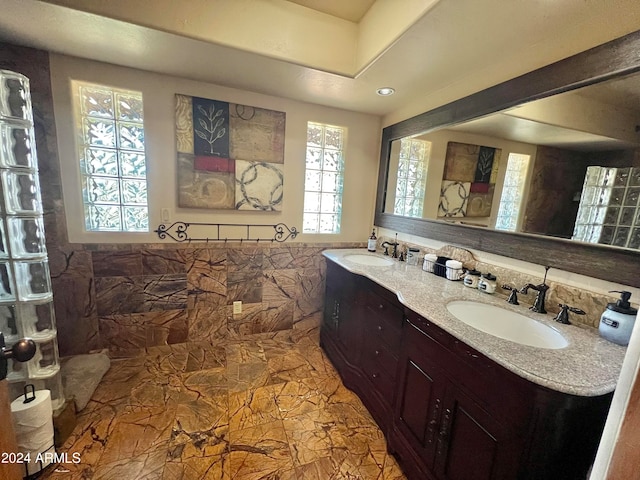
{"type": "Point", "coordinates": [472, 443]}
{"type": "Point", "coordinates": [421, 397]}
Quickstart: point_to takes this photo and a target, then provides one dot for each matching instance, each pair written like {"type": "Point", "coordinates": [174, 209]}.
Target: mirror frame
{"type": "Point", "coordinates": [607, 61]}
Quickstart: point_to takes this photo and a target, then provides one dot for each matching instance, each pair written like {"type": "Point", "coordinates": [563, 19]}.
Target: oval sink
{"type": "Point", "coordinates": [370, 260]}
{"type": "Point", "coordinates": [506, 324]}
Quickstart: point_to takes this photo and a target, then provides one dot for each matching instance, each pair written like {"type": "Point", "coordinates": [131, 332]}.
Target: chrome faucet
{"type": "Point", "coordinates": [538, 304]}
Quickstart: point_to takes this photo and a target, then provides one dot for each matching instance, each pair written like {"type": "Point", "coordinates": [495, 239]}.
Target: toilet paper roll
{"type": "Point", "coordinates": [33, 422]}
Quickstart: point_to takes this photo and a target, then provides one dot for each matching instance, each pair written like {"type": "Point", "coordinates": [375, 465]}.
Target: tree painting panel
{"type": "Point", "coordinates": [228, 155]}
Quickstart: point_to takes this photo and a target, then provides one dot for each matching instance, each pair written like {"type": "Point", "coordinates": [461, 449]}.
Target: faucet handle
{"type": "Point", "coordinates": [513, 296]}
{"type": "Point", "coordinates": [563, 314]}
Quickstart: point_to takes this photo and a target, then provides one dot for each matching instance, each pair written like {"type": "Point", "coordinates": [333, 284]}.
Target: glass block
{"type": "Point", "coordinates": [45, 363]}
{"type": "Point", "coordinates": [417, 150]}
{"type": "Point", "coordinates": [7, 284]}
{"type": "Point", "coordinates": [311, 202]}
{"type": "Point", "coordinates": [133, 164]}
{"type": "Point", "coordinates": [330, 203]}
{"type": "Point", "coordinates": [99, 133]}
{"type": "Point", "coordinates": [314, 135]}
{"type": "Point", "coordinates": [612, 216]}
{"type": "Point", "coordinates": [600, 214]}
{"type": "Point", "coordinates": [136, 219]}
{"type": "Point", "coordinates": [33, 280]}
{"type": "Point", "coordinates": [101, 189]}
{"type": "Point", "coordinates": [15, 100]}
{"type": "Point", "coordinates": [622, 177]}
{"type": "Point", "coordinates": [634, 177]}
{"type": "Point", "coordinates": [329, 223]}
{"type": "Point", "coordinates": [18, 147]}
{"type": "Point", "coordinates": [134, 191]}
{"type": "Point", "coordinates": [634, 238]}
{"type": "Point", "coordinates": [403, 168]}
{"type": "Point", "coordinates": [131, 136]}
{"type": "Point", "coordinates": [617, 196]}
{"type": "Point", "coordinates": [8, 323]}
{"type": "Point", "coordinates": [588, 196]}
{"type": "Point", "coordinates": [312, 180]}
{"type": "Point", "coordinates": [593, 176]}
{"type": "Point", "coordinates": [330, 182]}
{"type": "Point", "coordinates": [603, 195]}
{"type": "Point", "coordinates": [332, 161]}
{"type": "Point", "coordinates": [27, 237]}
{"type": "Point", "coordinates": [606, 237]}
{"type": "Point", "coordinates": [21, 192]}
{"type": "Point", "coordinates": [16, 371]}
{"type": "Point", "coordinates": [96, 102]}
{"type": "Point", "coordinates": [627, 216]}
{"type": "Point", "coordinates": [37, 320]}
{"type": "Point", "coordinates": [401, 187]}
{"type": "Point", "coordinates": [4, 250]}
{"type": "Point", "coordinates": [310, 222]}
{"type": "Point", "coordinates": [99, 161]}
{"type": "Point", "coordinates": [333, 138]}
{"type": "Point", "coordinates": [103, 218]}
{"type": "Point", "coordinates": [129, 107]}
{"type": "Point", "coordinates": [607, 177]}
{"type": "Point", "coordinates": [314, 158]}
{"type": "Point", "coordinates": [593, 235]}
{"type": "Point", "coordinates": [631, 198]}
{"type": "Point", "coordinates": [620, 237]}
{"type": "Point", "coordinates": [579, 232]}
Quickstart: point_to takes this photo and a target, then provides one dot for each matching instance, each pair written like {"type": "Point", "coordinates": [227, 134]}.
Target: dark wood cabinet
{"type": "Point", "coordinates": [448, 411]}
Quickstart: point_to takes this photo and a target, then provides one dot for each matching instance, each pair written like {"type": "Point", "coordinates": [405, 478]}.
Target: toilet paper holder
{"type": "Point", "coordinates": [22, 351]}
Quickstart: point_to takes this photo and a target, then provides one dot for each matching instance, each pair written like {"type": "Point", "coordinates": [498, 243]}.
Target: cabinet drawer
{"type": "Point", "coordinates": [379, 378]}
{"type": "Point", "coordinates": [384, 319]}
{"type": "Point", "coordinates": [378, 354]}
{"type": "Point", "coordinates": [429, 329]}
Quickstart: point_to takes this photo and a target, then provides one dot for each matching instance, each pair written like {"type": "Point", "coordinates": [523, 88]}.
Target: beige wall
{"type": "Point", "coordinates": [361, 158]}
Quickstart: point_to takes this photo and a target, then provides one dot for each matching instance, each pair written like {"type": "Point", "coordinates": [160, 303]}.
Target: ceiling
{"type": "Point", "coordinates": [432, 52]}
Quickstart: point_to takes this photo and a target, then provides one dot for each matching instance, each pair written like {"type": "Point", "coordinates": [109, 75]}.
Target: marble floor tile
{"type": "Point", "coordinates": [265, 406]}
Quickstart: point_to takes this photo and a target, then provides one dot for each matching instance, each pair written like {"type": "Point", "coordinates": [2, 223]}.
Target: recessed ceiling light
{"type": "Point", "coordinates": [386, 91]}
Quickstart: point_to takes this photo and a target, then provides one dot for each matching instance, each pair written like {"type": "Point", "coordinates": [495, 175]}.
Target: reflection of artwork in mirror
{"type": "Point", "coordinates": [412, 171]}
{"type": "Point", "coordinates": [609, 212]}
{"type": "Point", "coordinates": [469, 179]}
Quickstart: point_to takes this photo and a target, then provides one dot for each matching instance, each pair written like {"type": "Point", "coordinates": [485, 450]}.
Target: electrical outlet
{"type": "Point", "coordinates": [237, 307]}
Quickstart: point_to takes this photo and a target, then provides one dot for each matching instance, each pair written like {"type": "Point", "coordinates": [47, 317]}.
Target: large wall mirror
{"type": "Point", "coordinates": [543, 168]}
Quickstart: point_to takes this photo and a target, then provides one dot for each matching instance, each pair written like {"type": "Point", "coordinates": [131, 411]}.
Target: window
{"type": "Point", "coordinates": [512, 192]}
{"type": "Point", "coordinates": [323, 178]}
{"type": "Point", "coordinates": [412, 168]}
{"type": "Point", "coordinates": [111, 152]}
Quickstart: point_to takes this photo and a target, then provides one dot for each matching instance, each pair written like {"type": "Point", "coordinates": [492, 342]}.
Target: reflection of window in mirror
{"type": "Point", "coordinates": [412, 172]}
{"type": "Point", "coordinates": [515, 180]}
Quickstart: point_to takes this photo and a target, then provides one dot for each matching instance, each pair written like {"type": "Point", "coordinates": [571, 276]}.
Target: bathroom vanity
{"type": "Point", "coordinates": [454, 402]}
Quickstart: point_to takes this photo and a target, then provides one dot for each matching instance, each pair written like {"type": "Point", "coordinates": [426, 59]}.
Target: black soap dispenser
{"type": "Point", "coordinates": [616, 323]}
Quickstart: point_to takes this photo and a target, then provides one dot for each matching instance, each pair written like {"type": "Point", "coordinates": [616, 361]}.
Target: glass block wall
{"type": "Point", "coordinates": [26, 298]}
{"type": "Point", "coordinates": [609, 211]}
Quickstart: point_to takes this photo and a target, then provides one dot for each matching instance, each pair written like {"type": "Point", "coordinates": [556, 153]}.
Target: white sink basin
{"type": "Point", "coordinates": [506, 324]}
{"type": "Point", "coordinates": [369, 260]}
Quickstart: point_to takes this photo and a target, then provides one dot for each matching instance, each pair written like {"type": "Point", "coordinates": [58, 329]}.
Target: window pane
{"type": "Point", "coordinates": [112, 159]}
{"type": "Point", "coordinates": [323, 178]}
{"type": "Point", "coordinates": [100, 132]}
{"type": "Point", "coordinates": [411, 182]}
{"type": "Point", "coordinates": [99, 161]}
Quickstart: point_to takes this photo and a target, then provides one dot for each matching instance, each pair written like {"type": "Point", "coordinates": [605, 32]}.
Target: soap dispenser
{"type": "Point", "coordinates": [616, 323]}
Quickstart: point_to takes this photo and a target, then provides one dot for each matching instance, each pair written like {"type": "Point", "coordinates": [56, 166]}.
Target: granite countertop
{"type": "Point", "coordinates": [588, 366]}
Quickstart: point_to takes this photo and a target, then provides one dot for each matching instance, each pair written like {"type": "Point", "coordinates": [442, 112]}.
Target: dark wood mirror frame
{"type": "Point", "coordinates": [610, 60]}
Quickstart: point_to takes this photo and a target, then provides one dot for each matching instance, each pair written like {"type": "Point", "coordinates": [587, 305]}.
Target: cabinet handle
{"type": "Point", "coordinates": [375, 375]}
{"type": "Point", "coordinates": [381, 306]}
{"type": "Point", "coordinates": [379, 328]}
{"type": "Point", "coordinates": [431, 429]}
{"type": "Point", "coordinates": [377, 352]}
{"type": "Point", "coordinates": [444, 432]}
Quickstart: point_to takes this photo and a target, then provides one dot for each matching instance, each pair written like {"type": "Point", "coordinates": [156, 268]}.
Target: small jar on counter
{"type": "Point", "coordinates": [487, 283]}
{"type": "Point", "coordinates": [412, 256]}
{"type": "Point", "coordinates": [429, 262]}
{"type": "Point", "coordinates": [471, 279]}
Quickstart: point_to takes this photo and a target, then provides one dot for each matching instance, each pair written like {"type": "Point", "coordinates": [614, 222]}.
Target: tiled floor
{"type": "Point", "coordinates": [269, 406]}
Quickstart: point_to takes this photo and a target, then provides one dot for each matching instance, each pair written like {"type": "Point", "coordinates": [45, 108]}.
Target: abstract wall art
{"type": "Point", "coordinates": [229, 156]}
{"type": "Point", "coordinates": [469, 179]}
